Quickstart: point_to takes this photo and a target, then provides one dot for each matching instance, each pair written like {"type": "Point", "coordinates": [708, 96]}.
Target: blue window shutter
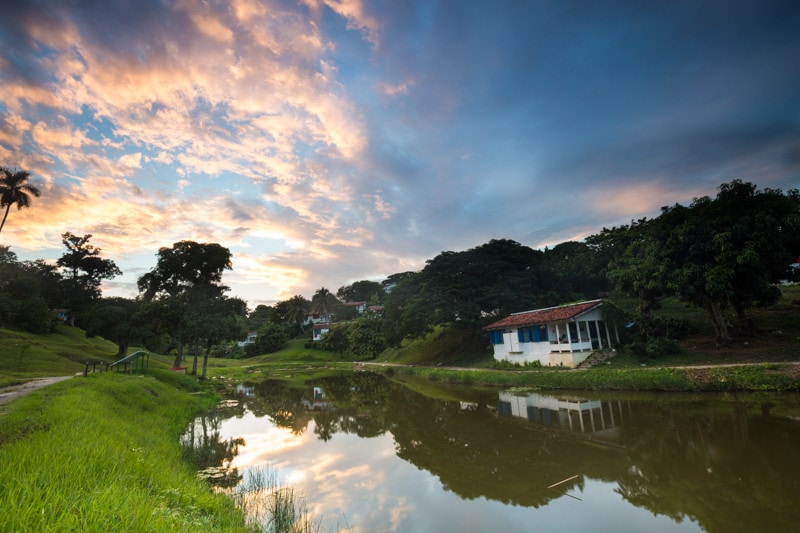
{"type": "Point", "coordinates": [520, 336]}
{"type": "Point", "coordinates": [536, 335]}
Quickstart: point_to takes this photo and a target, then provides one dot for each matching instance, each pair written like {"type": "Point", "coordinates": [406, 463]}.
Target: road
{"type": "Point", "coordinates": [15, 391]}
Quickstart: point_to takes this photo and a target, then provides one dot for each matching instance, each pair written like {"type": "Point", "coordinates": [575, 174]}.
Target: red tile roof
{"type": "Point", "coordinates": [542, 316]}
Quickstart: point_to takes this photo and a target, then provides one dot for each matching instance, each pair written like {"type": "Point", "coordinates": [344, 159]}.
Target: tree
{"type": "Point", "coordinates": [119, 320]}
{"type": "Point", "coordinates": [259, 316]}
{"type": "Point", "coordinates": [721, 253]}
{"type": "Point", "coordinates": [362, 291]}
{"type": "Point", "coordinates": [464, 289]}
{"type": "Point", "coordinates": [186, 264]}
{"type": "Point", "coordinates": [324, 302]}
{"type": "Point", "coordinates": [83, 270]}
{"type": "Point", "coordinates": [365, 337]}
{"type": "Point", "coordinates": [14, 190]}
{"type": "Point", "coordinates": [215, 319]}
{"type": "Point", "coordinates": [271, 337]}
{"type": "Point", "coordinates": [29, 291]}
{"type": "Point", "coordinates": [291, 313]}
{"type": "Point", "coordinates": [186, 276]}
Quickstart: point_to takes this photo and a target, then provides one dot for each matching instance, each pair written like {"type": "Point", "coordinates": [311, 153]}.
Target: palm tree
{"type": "Point", "coordinates": [324, 302]}
{"type": "Point", "coordinates": [15, 190]}
{"type": "Point", "coordinates": [297, 307]}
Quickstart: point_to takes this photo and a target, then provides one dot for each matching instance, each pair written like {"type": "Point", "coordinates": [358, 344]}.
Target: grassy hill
{"type": "Point", "coordinates": [26, 355]}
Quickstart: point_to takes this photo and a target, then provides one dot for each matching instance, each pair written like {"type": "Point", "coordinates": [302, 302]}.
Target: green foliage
{"type": "Point", "coordinates": [31, 314]}
{"type": "Point", "coordinates": [184, 265]}
{"type": "Point", "coordinates": [365, 337]}
{"type": "Point", "coordinates": [83, 271]}
{"type": "Point", "coordinates": [24, 292]}
{"type": "Point", "coordinates": [292, 313]}
{"type": "Point", "coordinates": [271, 338]}
{"type": "Point", "coordinates": [337, 339]}
{"type": "Point", "coordinates": [466, 289]}
{"type": "Point", "coordinates": [324, 302]}
{"type": "Point", "coordinates": [362, 291]}
{"type": "Point", "coordinates": [721, 253]}
{"type": "Point", "coordinates": [653, 348]}
{"type": "Point", "coordinates": [119, 320]}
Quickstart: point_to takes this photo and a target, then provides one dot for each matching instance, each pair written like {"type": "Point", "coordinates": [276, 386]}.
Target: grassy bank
{"type": "Point", "coordinates": [102, 454]}
{"type": "Point", "coordinates": [757, 377]}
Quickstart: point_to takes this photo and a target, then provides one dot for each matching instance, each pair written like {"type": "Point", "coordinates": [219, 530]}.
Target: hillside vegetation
{"type": "Point", "coordinates": [26, 355]}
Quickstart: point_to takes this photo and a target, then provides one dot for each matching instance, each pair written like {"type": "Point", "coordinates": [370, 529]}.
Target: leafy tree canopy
{"type": "Point", "coordinates": [186, 264]}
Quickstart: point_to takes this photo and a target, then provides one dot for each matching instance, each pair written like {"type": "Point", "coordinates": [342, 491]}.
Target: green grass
{"type": "Point", "coordinates": [440, 347]}
{"type": "Point", "coordinates": [102, 454]}
{"type": "Point", "coordinates": [24, 356]}
{"type": "Point", "coordinates": [763, 377]}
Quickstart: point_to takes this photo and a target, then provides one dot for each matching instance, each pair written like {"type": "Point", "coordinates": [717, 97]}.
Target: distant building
{"type": "Point", "coordinates": [319, 330]}
{"type": "Point", "coordinates": [250, 340]}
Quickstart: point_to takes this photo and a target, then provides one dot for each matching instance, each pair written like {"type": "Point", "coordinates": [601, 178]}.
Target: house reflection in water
{"type": "Point", "coordinates": [248, 391]}
{"type": "Point", "coordinates": [318, 401]}
{"type": "Point", "coordinates": [599, 418]}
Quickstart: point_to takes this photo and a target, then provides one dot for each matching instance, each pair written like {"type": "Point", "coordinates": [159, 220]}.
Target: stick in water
{"type": "Point", "coordinates": [564, 481]}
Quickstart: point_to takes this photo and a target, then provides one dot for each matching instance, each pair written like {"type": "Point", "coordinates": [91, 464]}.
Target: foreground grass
{"type": "Point", "coordinates": [101, 454]}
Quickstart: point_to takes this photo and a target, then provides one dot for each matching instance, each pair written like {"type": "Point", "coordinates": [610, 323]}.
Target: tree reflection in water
{"type": "Point", "coordinates": [727, 463]}
{"type": "Point", "coordinates": [211, 455]}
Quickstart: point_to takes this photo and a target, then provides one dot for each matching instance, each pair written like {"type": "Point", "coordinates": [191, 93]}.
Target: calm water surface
{"type": "Point", "coordinates": [373, 455]}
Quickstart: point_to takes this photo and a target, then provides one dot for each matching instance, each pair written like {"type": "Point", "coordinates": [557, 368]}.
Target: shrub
{"type": "Point", "coordinates": [271, 338]}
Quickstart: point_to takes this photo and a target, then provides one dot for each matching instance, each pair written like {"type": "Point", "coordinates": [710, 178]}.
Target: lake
{"type": "Point", "coordinates": [370, 454]}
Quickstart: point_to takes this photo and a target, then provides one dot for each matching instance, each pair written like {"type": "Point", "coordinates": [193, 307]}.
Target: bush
{"type": "Point", "coordinates": [661, 347]}
{"type": "Point", "coordinates": [653, 349]}
{"type": "Point", "coordinates": [271, 338]}
{"type": "Point", "coordinates": [33, 315]}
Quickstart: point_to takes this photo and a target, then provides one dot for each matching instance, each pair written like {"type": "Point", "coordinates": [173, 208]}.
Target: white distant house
{"type": "Point", "coordinates": [554, 336]}
{"type": "Point", "coordinates": [319, 330]}
{"type": "Point", "coordinates": [316, 318]}
{"type": "Point", "coordinates": [250, 340]}
{"type": "Point", "coordinates": [358, 306]}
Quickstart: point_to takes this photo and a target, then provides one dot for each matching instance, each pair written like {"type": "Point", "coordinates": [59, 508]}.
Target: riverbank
{"type": "Point", "coordinates": [102, 453]}
{"type": "Point", "coordinates": [780, 377]}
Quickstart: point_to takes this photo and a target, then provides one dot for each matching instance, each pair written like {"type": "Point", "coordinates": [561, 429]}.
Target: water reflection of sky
{"type": "Point", "coordinates": [360, 485]}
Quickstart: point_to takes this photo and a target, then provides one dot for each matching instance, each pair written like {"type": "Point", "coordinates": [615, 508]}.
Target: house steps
{"type": "Point", "coordinates": [598, 357]}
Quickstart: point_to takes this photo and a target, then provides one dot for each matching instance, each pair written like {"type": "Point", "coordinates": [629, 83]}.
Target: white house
{"type": "Point", "coordinates": [555, 336]}
{"type": "Point", "coordinates": [358, 306]}
{"type": "Point", "coordinates": [250, 340]}
{"type": "Point", "coordinates": [319, 330]}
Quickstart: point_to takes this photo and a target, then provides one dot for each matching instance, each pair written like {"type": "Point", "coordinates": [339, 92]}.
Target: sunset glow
{"type": "Point", "coordinates": [329, 141]}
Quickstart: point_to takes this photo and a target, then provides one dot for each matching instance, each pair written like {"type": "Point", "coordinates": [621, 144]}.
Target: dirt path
{"type": "Point", "coordinates": [15, 391]}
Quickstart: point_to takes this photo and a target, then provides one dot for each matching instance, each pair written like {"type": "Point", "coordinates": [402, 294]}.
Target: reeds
{"type": "Point", "coordinates": [271, 505]}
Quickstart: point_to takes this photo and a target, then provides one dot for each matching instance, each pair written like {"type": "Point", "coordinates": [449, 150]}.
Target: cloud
{"type": "Point", "coordinates": [328, 141]}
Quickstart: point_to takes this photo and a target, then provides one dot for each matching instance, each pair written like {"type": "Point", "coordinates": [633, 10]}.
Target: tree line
{"type": "Point", "coordinates": [724, 255]}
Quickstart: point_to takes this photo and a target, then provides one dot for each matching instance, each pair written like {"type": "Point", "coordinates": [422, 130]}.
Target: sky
{"type": "Point", "coordinates": [329, 141]}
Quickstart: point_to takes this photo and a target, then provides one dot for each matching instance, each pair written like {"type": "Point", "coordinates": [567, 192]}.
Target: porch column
{"type": "Point", "coordinates": [599, 337]}
{"type": "Point", "coordinates": [569, 336]}
{"type": "Point", "coordinates": [558, 339]}
{"type": "Point", "coordinates": [608, 334]}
